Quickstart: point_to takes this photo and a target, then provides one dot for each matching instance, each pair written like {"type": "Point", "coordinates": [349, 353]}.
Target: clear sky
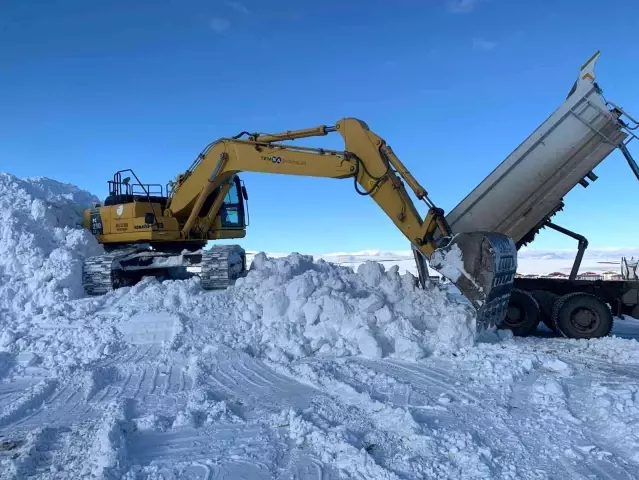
{"type": "Point", "coordinates": [87, 88]}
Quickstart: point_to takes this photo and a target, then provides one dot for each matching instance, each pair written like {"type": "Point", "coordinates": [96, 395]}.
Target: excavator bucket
{"type": "Point", "coordinates": [482, 266]}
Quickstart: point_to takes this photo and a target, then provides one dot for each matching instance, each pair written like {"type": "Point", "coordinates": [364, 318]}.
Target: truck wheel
{"type": "Point", "coordinates": [522, 316]}
{"type": "Point", "coordinates": [546, 301]}
{"type": "Point", "coordinates": [582, 315]}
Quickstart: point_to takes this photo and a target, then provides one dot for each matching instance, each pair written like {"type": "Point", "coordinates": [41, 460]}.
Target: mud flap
{"type": "Point", "coordinates": [482, 266]}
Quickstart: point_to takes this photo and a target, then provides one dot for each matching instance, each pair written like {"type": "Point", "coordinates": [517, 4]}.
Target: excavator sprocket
{"type": "Point", "coordinates": [482, 266]}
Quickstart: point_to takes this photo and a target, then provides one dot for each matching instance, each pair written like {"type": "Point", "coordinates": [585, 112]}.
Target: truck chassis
{"type": "Point", "coordinates": [570, 307]}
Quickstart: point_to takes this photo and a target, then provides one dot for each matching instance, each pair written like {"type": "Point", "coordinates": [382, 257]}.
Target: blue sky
{"type": "Point", "coordinates": [87, 88]}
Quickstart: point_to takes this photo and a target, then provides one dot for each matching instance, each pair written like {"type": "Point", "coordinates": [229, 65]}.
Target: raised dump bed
{"type": "Point", "coordinates": [528, 186]}
{"type": "Point", "coordinates": [521, 195]}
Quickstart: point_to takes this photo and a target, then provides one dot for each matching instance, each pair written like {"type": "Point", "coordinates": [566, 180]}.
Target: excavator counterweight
{"type": "Point", "coordinates": [153, 232]}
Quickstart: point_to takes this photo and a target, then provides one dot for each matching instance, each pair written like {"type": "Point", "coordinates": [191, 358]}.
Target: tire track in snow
{"type": "Point", "coordinates": [608, 407]}
{"type": "Point", "coordinates": [72, 404]}
{"type": "Point", "coordinates": [60, 407]}
{"type": "Point", "coordinates": [508, 422]}
{"type": "Point", "coordinates": [240, 377]}
{"type": "Point", "coordinates": [428, 377]}
{"type": "Point", "coordinates": [457, 419]}
{"type": "Point", "coordinates": [543, 421]}
{"type": "Point", "coordinates": [398, 443]}
{"type": "Point", "coordinates": [306, 467]}
{"type": "Point", "coordinates": [34, 455]}
{"type": "Point", "coordinates": [219, 451]}
{"type": "Point", "coordinates": [10, 392]}
{"type": "Point", "coordinates": [262, 392]}
{"type": "Point", "coordinates": [70, 399]}
{"type": "Point", "coordinates": [603, 369]}
{"type": "Point", "coordinates": [591, 396]}
{"type": "Point", "coordinates": [183, 382]}
{"type": "Point", "coordinates": [104, 393]}
{"type": "Point", "coordinates": [121, 357]}
{"type": "Point", "coordinates": [30, 401]}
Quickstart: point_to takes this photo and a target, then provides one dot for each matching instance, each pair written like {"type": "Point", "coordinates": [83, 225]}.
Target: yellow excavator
{"type": "Point", "coordinates": [149, 230]}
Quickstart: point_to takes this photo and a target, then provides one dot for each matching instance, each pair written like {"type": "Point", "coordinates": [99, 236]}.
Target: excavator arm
{"type": "Point", "coordinates": [480, 264]}
{"type": "Point", "coordinates": [367, 159]}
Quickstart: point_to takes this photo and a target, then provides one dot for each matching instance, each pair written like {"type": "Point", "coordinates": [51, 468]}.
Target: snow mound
{"type": "Point", "coordinates": [284, 309]}
{"type": "Point", "coordinates": [293, 307]}
{"type": "Point", "coordinates": [42, 243]}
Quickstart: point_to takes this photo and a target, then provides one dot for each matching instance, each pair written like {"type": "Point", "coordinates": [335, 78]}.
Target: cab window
{"type": "Point", "coordinates": [232, 213]}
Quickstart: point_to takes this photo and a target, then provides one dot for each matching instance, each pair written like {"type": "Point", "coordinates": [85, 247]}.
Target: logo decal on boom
{"type": "Point", "coordinates": [272, 159]}
{"type": "Point", "coordinates": [279, 160]}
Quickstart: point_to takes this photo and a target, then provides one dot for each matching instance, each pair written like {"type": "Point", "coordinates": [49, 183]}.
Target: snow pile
{"type": "Point", "coordinates": [41, 243]}
{"type": "Point", "coordinates": [281, 376]}
{"type": "Point", "coordinates": [449, 262]}
{"type": "Point", "coordinates": [293, 307]}
{"type": "Point", "coordinates": [284, 309]}
{"type": "Point", "coordinates": [299, 307]}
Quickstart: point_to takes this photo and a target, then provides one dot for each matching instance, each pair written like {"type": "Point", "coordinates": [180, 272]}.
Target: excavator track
{"type": "Point", "coordinates": [221, 266]}
{"type": "Point", "coordinates": [98, 275]}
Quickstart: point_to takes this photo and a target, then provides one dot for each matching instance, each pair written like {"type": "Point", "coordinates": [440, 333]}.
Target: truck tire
{"type": "Point", "coordinates": [582, 315]}
{"type": "Point", "coordinates": [522, 316]}
{"type": "Point", "coordinates": [546, 301]}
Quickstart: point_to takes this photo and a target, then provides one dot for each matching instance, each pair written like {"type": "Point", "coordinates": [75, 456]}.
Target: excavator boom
{"type": "Point", "coordinates": [481, 264]}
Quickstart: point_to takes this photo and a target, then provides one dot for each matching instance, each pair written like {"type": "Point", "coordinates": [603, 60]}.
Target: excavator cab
{"type": "Point", "coordinates": [234, 210]}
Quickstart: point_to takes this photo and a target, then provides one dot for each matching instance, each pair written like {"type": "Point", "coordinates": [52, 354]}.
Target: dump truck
{"type": "Point", "coordinates": [521, 195]}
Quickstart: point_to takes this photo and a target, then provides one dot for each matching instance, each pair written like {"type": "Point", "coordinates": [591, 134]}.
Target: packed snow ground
{"type": "Point", "coordinates": [304, 369]}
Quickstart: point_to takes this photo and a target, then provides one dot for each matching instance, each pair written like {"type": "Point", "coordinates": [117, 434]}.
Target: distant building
{"type": "Point", "coordinates": [590, 276]}
{"type": "Point", "coordinates": [557, 275]}
{"type": "Point", "coordinates": [612, 276]}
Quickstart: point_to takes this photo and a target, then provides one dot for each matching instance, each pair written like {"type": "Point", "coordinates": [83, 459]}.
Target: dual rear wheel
{"type": "Point", "coordinates": [576, 315]}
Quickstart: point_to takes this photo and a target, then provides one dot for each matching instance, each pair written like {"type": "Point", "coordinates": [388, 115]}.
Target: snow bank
{"type": "Point", "coordinates": [298, 307]}
{"type": "Point", "coordinates": [293, 307]}
{"type": "Point", "coordinates": [41, 243]}
{"type": "Point", "coordinates": [284, 309]}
